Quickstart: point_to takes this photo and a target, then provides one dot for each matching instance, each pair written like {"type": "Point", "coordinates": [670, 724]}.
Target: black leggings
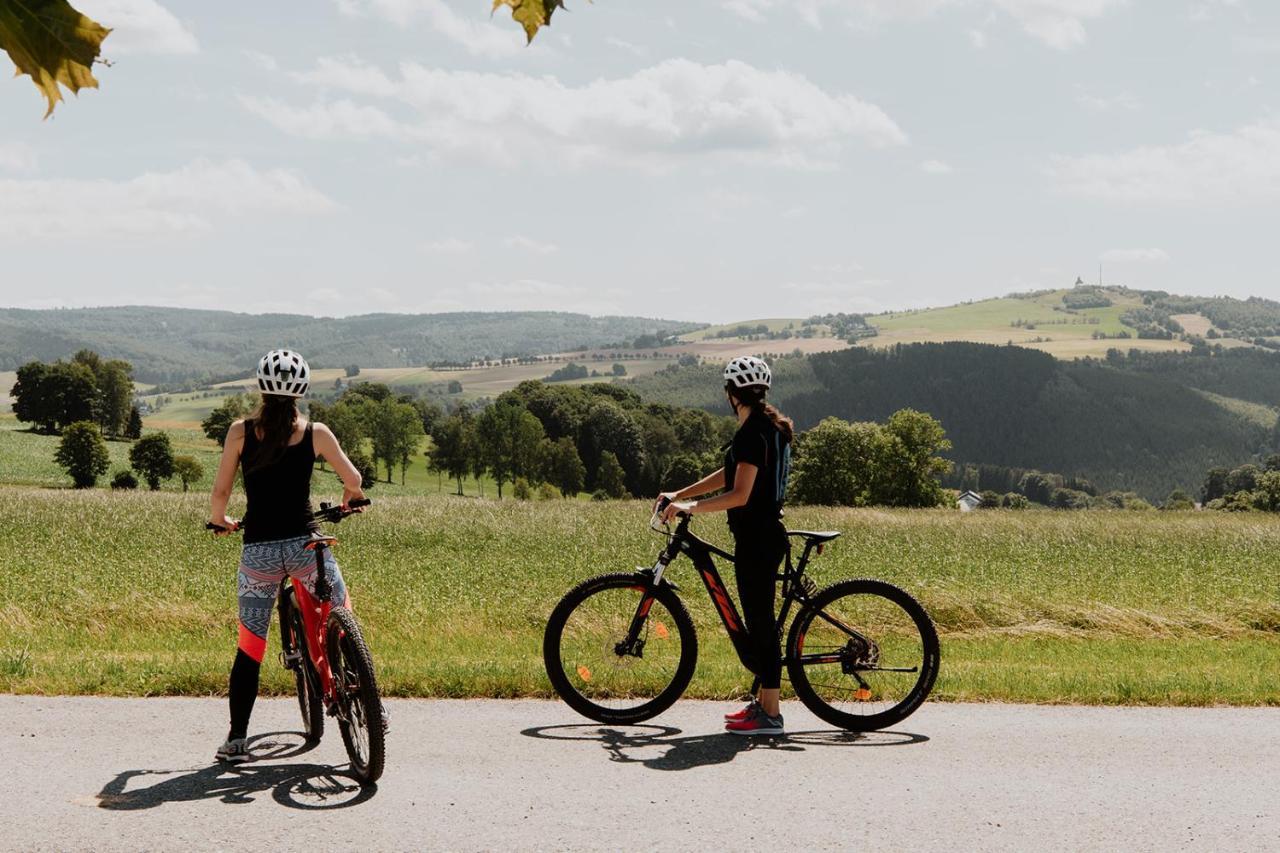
{"type": "Point", "coordinates": [244, 690]}
{"type": "Point", "coordinates": [757, 555]}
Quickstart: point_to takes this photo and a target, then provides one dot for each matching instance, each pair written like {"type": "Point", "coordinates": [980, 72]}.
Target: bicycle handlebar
{"type": "Point", "coordinates": [332, 513]}
{"type": "Point", "coordinates": [662, 504]}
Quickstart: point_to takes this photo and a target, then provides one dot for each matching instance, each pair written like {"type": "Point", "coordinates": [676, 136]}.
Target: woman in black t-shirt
{"type": "Point", "coordinates": [276, 448]}
{"type": "Point", "coordinates": [754, 480]}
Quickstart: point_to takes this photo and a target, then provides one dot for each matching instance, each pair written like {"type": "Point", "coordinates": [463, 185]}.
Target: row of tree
{"type": "Point", "coordinates": [1245, 488]}
{"type": "Point", "coordinates": [86, 388]}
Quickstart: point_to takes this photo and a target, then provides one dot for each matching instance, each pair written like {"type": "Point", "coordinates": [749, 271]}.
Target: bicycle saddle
{"type": "Point", "coordinates": [815, 536]}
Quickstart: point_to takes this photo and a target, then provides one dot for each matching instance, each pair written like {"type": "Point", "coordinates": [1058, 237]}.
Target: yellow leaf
{"type": "Point", "coordinates": [53, 43]}
{"type": "Point", "coordinates": [530, 14]}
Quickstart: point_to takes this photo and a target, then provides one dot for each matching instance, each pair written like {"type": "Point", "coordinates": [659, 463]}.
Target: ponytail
{"type": "Point", "coordinates": [754, 396]}
{"type": "Point", "coordinates": [273, 421]}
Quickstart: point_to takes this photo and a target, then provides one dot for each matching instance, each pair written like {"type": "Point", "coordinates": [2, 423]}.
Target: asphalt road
{"type": "Point", "coordinates": [136, 774]}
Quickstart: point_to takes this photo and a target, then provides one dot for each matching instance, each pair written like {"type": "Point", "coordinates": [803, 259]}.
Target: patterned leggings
{"type": "Point", "coordinates": [263, 565]}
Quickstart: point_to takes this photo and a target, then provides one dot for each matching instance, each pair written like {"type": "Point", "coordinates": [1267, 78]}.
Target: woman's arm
{"type": "Point", "coordinates": [711, 483]}
{"type": "Point", "coordinates": [743, 481]}
{"type": "Point", "coordinates": [327, 447]}
{"type": "Point", "coordinates": [226, 477]}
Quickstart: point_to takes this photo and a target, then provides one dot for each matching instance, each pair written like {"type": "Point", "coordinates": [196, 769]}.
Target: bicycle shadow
{"type": "Point", "coordinates": [306, 786]}
{"type": "Point", "coordinates": [690, 751]}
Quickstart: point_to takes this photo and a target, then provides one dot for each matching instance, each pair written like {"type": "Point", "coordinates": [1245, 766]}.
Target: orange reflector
{"type": "Point", "coordinates": [584, 673]}
{"type": "Point", "coordinates": [660, 630]}
{"type": "Point", "coordinates": [862, 694]}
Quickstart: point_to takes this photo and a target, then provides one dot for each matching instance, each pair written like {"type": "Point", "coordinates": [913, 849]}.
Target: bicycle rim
{"type": "Point", "coordinates": [863, 655]}
{"type": "Point", "coordinates": [593, 670]}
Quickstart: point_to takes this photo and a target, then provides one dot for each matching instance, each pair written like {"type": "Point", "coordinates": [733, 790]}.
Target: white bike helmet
{"type": "Point", "coordinates": [283, 372]}
{"type": "Point", "coordinates": [746, 371]}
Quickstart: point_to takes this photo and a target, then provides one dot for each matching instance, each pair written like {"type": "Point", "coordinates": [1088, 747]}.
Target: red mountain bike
{"type": "Point", "coordinates": [621, 648]}
{"type": "Point", "coordinates": [323, 646]}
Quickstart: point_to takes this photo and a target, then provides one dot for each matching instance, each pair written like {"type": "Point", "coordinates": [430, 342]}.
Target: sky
{"type": "Point", "coordinates": [708, 160]}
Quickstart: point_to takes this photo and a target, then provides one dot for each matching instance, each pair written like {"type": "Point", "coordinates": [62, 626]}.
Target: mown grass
{"type": "Point", "coordinates": [123, 594]}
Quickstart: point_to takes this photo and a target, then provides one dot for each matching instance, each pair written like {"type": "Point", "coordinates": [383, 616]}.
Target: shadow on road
{"type": "Point", "coordinates": [683, 753]}
{"type": "Point", "coordinates": [295, 785]}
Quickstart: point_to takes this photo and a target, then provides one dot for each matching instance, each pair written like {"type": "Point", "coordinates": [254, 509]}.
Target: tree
{"type": "Point", "coordinates": [619, 369]}
{"type": "Point", "coordinates": [83, 453]}
{"type": "Point", "coordinates": [607, 427]}
{"type": "Point", "coordinates": [396, 430]}
{"type": "Point", "coordinates": [838, 463]}
{"type": "Point", "coordinates": [1243, 479]}
{"type": "Point", "coordinates": [912, 463]}
{"type": "Point", "coordinates": [114, 383]}
{"type": "Point", "coordinates": [124, 480]}
{"type": "Point", "coordinates": [1266, 496]}
{"type": "Point", "coordinates": [1036, 487]}
{"type": "Point", "coordinates": [453, 446]}
{"type": "Point", "coordinates": [188, 469]}
{"type": "Point", "coordinates": [1178, 500]}
{"type": "Point", "coordinates": [219, 421]}
{"type": "Point", "coordinates": [454, 386]}
{"type": "Point", "coordinates": [564, 468]}
{"type": "Point", "coordinates": [133, 430]}
{"type": "Point", "coordinates": [352, 370]}
{"type": "Point", "coordinates": [51, 396]}
{"type": "Point", "coordinates": [54, 44]}
{"type": "Point", "coordinates": [363, 463]}
{"type": "Point", "coordinates": [611, 478]}
{"type": "Point", "coordinates": [521, 489]}
{"type": "Point", "coordinates": [1215, 484]}
{"type": "Point", "coordinates": [152, 457]}
{"type": "Point", "coordinates": [508, 437]}
{"type": "Point", "coordinates": [429, 413]}
{"type": "Point", "coordinates": [685, 468]}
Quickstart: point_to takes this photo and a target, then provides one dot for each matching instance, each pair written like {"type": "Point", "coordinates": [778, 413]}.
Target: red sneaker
{"type": "Point", "coordinates": [738, 716]}
{"type": "Point", "coordinates": [757, 723]}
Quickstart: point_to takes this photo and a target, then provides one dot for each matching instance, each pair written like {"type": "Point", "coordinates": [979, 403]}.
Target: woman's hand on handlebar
{"type": "Point", "coordinates": [348, 495]}
{"type": "Point", "coordinates": [677, 508]}
{"type": "Point", "coordinates": [223, 527]}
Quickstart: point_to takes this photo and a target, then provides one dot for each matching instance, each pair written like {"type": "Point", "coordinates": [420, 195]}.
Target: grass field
{"type": "Point", "coordinates": [123, 594]}
{"type": "Point", "coordinates": [989, 321]}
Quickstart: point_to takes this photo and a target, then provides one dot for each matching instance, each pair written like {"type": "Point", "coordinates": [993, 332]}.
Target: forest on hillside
{"type": "Point", "coordinates": [1117, 424]}
{"type": "Point", "coordinates": [175, 345]}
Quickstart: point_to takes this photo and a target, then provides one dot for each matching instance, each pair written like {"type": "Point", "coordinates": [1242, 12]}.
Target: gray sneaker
{"type": "Point", "coordinates": [756, 723]}
{"type": "Point", "coordinates": [234, 751]}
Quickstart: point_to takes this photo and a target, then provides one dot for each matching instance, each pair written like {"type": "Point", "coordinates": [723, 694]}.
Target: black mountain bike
{"type": "Point", "coordinates": [620, 648]}
{"type": "Point", "coordinates": [332, 667]}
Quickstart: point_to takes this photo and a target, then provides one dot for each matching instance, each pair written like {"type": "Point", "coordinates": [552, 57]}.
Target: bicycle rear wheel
{"type": "Point", "coordinates": [862, 655]}
{"type": "Point", "coordinates": [306, 680]}
{"type": "Point", "coordinates": [590, 667]}
{"type": "Point", "coordinates": [359, 707]}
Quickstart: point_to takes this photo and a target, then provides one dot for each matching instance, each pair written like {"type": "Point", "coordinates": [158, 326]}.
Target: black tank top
{"type": "Point", "coordinates": [279, 493]}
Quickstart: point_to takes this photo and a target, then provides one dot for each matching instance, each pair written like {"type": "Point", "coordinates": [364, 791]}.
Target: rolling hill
{"type": "Point", "coordinates": [1146, 423]}
{"type": "Point", "coordinates": [175, 344]}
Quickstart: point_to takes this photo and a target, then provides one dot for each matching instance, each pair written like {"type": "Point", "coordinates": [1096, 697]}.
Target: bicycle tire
{"type": "Point", "coordinates": [562, 683]}
{"type": "Point", "coordinates": [798, 672]}
{"type": "Point", "coordinates": [349, 657]}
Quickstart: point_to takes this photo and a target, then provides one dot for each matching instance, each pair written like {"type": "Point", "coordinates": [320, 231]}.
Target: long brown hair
{"type": "Point", "coordinates": [273, 424]}
{"type": "Point", "coordinates": [753, 396]}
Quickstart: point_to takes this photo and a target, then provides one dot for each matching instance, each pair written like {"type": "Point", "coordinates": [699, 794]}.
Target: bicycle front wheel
{"type": "Point", "coordinates": [604, 673]}
{"type": "Point", "coordinates": [356, 693]}
{"type": "Point", "coordinates": [862, 655]}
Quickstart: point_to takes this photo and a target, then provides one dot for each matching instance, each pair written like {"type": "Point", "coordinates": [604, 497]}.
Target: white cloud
{"type": "Point", "coordinates": [528, 244]}
{"type": "Point", "coordinates": [263, 61]}
{"type": "Point", "coordinates": [977, 38]}
{"type": "Point", "coordinates": [1150, 256]}
{"type": "Point", "coordinates": [1241, 166]}
{"type": "Point", "coordinates": [935, 167]}
{"type": "Point", "coordinates": [622, 44]}
{"type": "Point", "coordinates": [448, 246]}
{"type": "Point", "coordinates": [654, 118]}
{"type": "Point", "coordinates": [140, 26]}
{"type": "Point", "coordinates": [16, 157]}
{"type": "Point", "coordinates": [186, 199]}
{"type": "Point", "coordinates": [474, 32]}
{"type": "Point", "coordinates": [1123, 102]}
{"type": "Point", "coordinates": [1058, 23]}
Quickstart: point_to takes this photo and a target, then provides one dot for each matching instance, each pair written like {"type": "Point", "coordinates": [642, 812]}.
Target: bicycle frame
{"type": "Point", "coordinates": [315, 615]}
{"type": "Point", "coordinates": [701, 553]}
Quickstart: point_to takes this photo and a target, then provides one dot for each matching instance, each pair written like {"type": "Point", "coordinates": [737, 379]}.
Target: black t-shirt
{"type": "Point", "coordinates": [758, 442]}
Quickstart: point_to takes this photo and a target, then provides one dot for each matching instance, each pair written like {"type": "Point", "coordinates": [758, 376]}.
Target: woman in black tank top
{"type": "Point", "coordinates": [275, 449]}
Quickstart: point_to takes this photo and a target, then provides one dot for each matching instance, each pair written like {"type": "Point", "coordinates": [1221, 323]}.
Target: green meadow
{"type": "Point", "coordinates": [123, 594]}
